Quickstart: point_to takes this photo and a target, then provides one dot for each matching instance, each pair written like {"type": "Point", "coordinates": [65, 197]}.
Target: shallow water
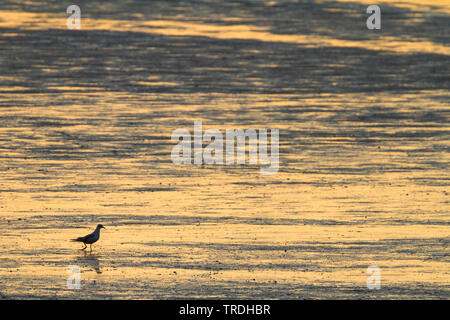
{"type": "Point", "coordinates": [86, 118]}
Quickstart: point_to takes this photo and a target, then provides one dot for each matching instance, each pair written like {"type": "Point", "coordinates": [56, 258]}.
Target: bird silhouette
{"type": "Point", "coordinates": [90, 238]}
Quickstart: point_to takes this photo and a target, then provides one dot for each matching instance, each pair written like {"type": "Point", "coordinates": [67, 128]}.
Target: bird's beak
{"type": "Point", "coordinates": [103, 227]}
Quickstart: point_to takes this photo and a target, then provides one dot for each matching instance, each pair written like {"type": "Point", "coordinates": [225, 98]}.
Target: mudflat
{"type": "Point", "coordinates": [86, 118]}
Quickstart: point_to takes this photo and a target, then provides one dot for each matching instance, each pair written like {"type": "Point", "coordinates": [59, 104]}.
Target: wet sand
{"type": "Point", "coordinates": [86, 118]}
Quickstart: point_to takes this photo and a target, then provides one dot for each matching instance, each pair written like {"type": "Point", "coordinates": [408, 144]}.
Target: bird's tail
{"type": "Point", "coordinates": [75, 240]}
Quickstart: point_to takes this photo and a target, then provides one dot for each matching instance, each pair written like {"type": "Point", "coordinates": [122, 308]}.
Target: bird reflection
{"type": "Point", "coordinates": [90, 260]}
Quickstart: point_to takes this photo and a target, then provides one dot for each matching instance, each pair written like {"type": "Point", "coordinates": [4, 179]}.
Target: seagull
{"type": "Point", "coordinates": [90, 238]}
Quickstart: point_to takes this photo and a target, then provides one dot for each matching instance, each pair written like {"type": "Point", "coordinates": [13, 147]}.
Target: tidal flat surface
{"type": "Point", "coordinates": [86, 118]}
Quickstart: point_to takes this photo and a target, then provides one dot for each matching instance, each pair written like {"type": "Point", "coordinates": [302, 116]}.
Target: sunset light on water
{"type": "Point", "coordinates": [362, 179]}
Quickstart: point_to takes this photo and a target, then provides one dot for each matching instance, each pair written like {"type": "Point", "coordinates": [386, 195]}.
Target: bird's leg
{"type": "Point", "coordinates": [91, 246]}
{"type": "Point", "coordinates": [85, 246]}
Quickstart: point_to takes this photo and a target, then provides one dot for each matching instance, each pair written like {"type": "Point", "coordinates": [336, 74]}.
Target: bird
{"type": "Point", "coordinates": [90, 238]}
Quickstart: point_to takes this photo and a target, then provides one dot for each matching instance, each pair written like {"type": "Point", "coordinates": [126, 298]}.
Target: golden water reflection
{"type": "Point", "coordinates": [363, 176]}
{"type": "Point", "coordinates": [37, 21]}
{"type": "Point", "coordinates": [334, 208]}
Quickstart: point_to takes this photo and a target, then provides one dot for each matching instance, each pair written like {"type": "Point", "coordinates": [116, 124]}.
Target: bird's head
{"type": "Point", "coordinates": [100, 226]}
